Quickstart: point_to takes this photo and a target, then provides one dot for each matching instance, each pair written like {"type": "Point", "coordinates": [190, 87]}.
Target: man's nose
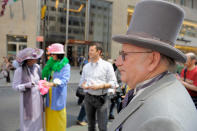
{"type": "Point", "coordinates": [118, 61]}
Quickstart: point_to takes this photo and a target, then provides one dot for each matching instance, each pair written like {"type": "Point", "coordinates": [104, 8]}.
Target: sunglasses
{"type": "Point", "coordinates": [123, 54]}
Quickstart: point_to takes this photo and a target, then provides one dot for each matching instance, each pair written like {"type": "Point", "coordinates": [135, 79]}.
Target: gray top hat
{"type": "Point", "coordinates": [155, 25]}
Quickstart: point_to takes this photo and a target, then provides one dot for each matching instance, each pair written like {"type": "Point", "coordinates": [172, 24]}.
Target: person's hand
{"type": "Point", "coordinates": [189, 81]}
{"type": "Point", "coordinates": [94, 87]}
{"type": "Point", "coordinates": [49, 84]}
{"type": "Point", "coordinates": [84, 85]}
{"type": "Point", "coordinates": [123, 96]}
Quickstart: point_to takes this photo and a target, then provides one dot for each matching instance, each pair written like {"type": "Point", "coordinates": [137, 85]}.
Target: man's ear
{"type": "Point", "coordinates": [193, 61]}
{"type": "Point", "coordinates": [155, 58]}
{"type": "Point", "coordinates": [100, 53]}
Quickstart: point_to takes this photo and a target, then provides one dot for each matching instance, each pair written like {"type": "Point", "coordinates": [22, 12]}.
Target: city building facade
{"type": "Point", "coordinates": [39, 23]}
{"type": "Point", "coordinates": [19, 26]}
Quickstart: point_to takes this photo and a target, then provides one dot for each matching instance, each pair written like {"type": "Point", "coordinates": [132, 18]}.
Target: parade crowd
{"type": "Point", "coordinates": [152, 84]}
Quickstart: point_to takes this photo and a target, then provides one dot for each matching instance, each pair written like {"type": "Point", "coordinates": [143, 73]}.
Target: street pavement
{"type": "Point", "coordinates": [9, 109]}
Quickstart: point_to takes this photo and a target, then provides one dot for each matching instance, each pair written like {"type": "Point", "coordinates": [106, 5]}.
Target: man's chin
{"type": "Point", "coordinates": [123, 79]}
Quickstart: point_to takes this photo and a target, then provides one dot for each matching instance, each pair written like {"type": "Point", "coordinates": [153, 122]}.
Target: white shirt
{"type": "Point", "coordinates": [98, 73]}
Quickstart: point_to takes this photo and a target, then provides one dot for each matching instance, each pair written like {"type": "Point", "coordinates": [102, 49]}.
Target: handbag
{"type": "Point", "coordinates": [80, 92]}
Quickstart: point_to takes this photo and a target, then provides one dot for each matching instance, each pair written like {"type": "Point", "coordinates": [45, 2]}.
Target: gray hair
{"type": "Point", "coordinates": [191, 55]}
{"type": "Point", "coordinates": [171, 64]}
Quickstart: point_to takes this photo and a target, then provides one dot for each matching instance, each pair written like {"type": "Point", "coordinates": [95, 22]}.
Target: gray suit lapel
{"type": "Point", "coordinates": [125, 114]}
{"type": "Point", "coordinates": [139, 100]}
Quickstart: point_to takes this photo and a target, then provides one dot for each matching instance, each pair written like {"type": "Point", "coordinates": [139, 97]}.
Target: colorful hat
{"type": "Point", "coordinates": [155, 25]}
{"type": "Point", "coordinates": [29, 53]}
{"type": "Point", "coordinates": [56, 48]}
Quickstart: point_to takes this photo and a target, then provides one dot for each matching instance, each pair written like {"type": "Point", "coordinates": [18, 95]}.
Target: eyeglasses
{"type": "Point", "coordinates": [123, 54]}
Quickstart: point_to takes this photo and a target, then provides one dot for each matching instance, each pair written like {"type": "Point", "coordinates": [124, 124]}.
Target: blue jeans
{"type": "Point", "coordinates": [113, 103]}
{"type": "Point", "coordinates": [82, 113]}
{"type": "Point", "coordinates": [96, 105]}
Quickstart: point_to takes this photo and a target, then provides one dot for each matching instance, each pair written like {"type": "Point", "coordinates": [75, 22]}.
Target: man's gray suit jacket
{"type": "Point", "coordinates": [163, 106]}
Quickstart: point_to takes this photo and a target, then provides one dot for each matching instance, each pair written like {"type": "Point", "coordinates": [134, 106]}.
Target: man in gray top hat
{"type": "Point", "coordinates": [157, 101]}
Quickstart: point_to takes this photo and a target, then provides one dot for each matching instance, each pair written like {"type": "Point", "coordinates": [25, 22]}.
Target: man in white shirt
{"type": "Point", "coordinates": [97, 76]}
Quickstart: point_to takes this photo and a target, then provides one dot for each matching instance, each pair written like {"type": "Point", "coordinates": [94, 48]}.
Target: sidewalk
{"type": "Point", "coordinates": [83, 128]}
{"type": "Point", "coordinates": [77, 128]}
{"type": "Point", "coordinates": [74, 78]}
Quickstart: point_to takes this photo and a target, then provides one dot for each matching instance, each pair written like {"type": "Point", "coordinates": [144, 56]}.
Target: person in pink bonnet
{"type": "Point", "coordinates": [25, 81]}
{"type": "Point", "coordinates": [57, 74]}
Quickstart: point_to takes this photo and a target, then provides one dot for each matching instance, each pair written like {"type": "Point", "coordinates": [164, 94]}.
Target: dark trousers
{"type": "Point", "coordinates": [194, 98]}
{"type": "Point", "coordinates": [82, 113]}
{"type": "Point", "coordinates": [8, 77]}
{"type": "Point", "coordinates": [113, 103]}
{"type": "Point", "coordinates": [96, 106]}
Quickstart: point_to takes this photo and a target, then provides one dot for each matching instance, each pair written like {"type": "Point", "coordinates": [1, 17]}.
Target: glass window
{"type": "Point", "coordinates": [76, 23]}
{"type": "Point", "coordinates": [177, 1]}
{"type": "Point", "coordinates": [189, 3]}
{"type": "Point", "coordinates": [12, 49]}
{"type": "Point", "coordinates": [22, 47]}
{"type": "Point", "coordinates": [182, 2]}
{"type": "Point", "coordinates": [100, 23]}
{"type": "Point", "coordinates": [62, 20]}
{"type": "Point", "coordinates": [61, 9]}
{"type": "Point", "coordinates": [75, 31]}
{"type": "Point", "coordinates": [52, 18]}
{"type": "Point", "coordinates": [53, 9]}
{"type": "Point", "coordinates": [15, 44]}
{"type": "Point", "coordinates": [63, 29]}
{"type": "Point", "coordinates": [189, 29]}
{"type": "Point", "coordinates": [52, 28]}
{"type": "Point", "coordinates": [61, 1]}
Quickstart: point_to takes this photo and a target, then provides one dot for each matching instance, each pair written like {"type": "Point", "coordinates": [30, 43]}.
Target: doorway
{"type": "Point", "coordinates": [75, 52]}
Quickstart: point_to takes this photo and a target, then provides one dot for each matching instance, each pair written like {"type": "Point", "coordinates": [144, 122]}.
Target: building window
{"type": "Point", "coordinates": [61, 10]}
{"type": "Point", "coordinates": [61, 1]}
{"type": "Point", "coordinates": [62, 29]}
{"type": "Point", "coordinates": [189, 29]}
{"type": "Point", "coordinates": [62, 20]}
{"type": "Point", "coordinates": [52, 18]}
{"type": "Point", "coordinates": [52, 28]}
{"type": "Point", "coordinates": [15, 44]}
{"type": "Point", "coordinates": [100, 22]}
{"type": "Point", "coordinates": [76, 23]}
{"type": "Point", "coordinates": [190, 3]}
{"type": "Point", "coordinates": [182, 2]}
{"type": "Point", "coordinates": [53, 9]}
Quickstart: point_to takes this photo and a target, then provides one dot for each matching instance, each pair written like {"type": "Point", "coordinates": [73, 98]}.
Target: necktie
{"type": "Point", "coordinates": [128, 98]}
